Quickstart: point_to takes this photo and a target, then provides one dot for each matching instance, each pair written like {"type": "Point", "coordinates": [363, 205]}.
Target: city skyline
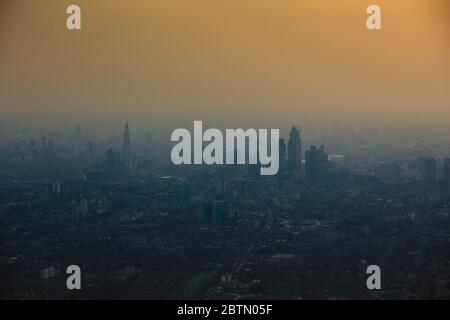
{"type": "Point", "coordinates": [140, 227]}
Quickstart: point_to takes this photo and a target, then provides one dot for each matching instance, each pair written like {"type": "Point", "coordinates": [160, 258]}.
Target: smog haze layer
{"type": "Point", "coordinates": [230, 63]}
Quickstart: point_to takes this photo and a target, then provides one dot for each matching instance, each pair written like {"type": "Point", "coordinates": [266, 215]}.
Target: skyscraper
{"type": "Point", "coordinates": [78, 132]}
{"type": "Point", "coordinates": [294, 149]}
{"type": "Point", "coordinates": [78, 141]}
{"type": "Point", "coordinates": [84, 207]}
{"type": "Point", "coordinates": [282, 154]}
{"type": "Point", "coordinates": [126, 151]}
{"type": "Point", "coordinates": [316, 161]}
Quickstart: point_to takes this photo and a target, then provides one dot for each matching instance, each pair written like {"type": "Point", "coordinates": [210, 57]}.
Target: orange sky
{"type": "Point", "coordinates": [247, 62]}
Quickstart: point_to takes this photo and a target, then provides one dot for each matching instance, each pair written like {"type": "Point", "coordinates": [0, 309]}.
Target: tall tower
{"type": "Point", "coordinates": [78, 132]}
{"type": "Point", "coordinates": [126, 147]}
{"type": "Point", "coordinates": [78, 140]}
{"type": "Point", "coordinates": [282, 154]}
{"type": "Point", "coordinates": [294, 149]}
{"type": "Point", "coordinates": [316, 160]}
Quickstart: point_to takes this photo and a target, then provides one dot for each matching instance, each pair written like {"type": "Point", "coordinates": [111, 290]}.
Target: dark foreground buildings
{"type": "Point", "coordinates": [155, 230]}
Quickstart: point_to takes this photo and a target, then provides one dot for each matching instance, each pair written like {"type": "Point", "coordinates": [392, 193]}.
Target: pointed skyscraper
{"type": "Point", "coordinates": [77, 141]}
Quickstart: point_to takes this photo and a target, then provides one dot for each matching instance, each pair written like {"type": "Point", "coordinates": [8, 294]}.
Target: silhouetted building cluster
{"type": "Point", "coordinates": [141, 227]}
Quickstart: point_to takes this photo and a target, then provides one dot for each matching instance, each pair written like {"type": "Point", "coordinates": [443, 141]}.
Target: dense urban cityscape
{"type": "Point", "coordinates": [140, 227]}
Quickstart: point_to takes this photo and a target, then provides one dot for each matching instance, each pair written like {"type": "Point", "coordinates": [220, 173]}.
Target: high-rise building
{"type": "Point", "coordinates": [57, 188]}
{"type": "Point", "coordinates": [316, 161]}
{"type": "Point", "coordinates": [78, 133]}
{"type": "Point", "coordinates": [77, 141]}
{"type": "Point", "coordinates": [282, 154]}
{"type": "Point", "coordinates": [294, 160]}
{"type": "Point", "coordinates": [126, 149]}
{"type": "Point", "coordinates": [220, 213]}
{"type": "Point", "coordinates": [84, 207]}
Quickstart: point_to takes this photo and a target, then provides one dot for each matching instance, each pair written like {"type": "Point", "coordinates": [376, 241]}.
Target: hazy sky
{"type": "Point", "coordinates": [227, 62]}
